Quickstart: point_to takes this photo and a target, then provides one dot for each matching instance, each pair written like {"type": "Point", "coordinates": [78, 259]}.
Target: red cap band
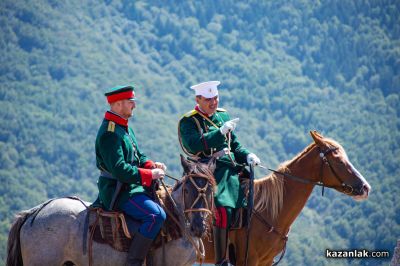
{"type": "Point", "coordinates": [121, 96]}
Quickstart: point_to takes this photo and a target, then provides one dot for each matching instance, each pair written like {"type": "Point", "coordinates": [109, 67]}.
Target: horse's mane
{"type": "Point", "coordinates": [200, 169]}
{"type": "Point", "coordinates": [268, 190]}
{"type": "Point", "coordinates": [268, 193]}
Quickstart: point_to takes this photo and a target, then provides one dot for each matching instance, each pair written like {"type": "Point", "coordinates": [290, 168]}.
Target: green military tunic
{"type": "Point", "coordinates": [118, 154]}
{"type": "Point", "coordinates": [202, 138]}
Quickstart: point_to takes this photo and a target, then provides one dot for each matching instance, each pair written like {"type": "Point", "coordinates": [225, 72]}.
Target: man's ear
{"type": "Point", "coordinates": [116, 105]}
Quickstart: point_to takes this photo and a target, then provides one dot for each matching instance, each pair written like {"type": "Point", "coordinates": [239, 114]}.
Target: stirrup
{"type": "Point", "coordinates": [224, 263]}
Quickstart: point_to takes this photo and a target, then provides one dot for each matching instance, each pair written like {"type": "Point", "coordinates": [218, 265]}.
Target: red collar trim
{"type": "Point", "coordinates": [197, 108]}
{"type": "Point", "coordinates": [116, 118]}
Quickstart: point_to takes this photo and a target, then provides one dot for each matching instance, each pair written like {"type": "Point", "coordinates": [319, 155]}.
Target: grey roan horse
{"type": "Point", "coordinates": [56, 236]}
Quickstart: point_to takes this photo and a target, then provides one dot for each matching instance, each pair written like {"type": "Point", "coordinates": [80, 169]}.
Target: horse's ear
{"type": "Point", "coordinates": [212, 164]}
{"type": "Point", "coordinates": [185, 164]}
{"type": "Point", "coordinates": [317, 137]}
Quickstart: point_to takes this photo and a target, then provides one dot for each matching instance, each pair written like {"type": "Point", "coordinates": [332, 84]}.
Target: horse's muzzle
{"type": "Point", "coordinates": [361, 192]}
{"type": "Point", "coordinates": [198, 227]}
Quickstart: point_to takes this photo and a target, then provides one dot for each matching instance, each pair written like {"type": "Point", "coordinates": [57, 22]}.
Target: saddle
{"type": "Point", "coordinates": [117, 229]}
{"type": "Point", "coordinates": [113, 228]}
{"type": "Point", "coordinates": [239, 219]}
{"type": "Point", "coordinates": [239, 216]}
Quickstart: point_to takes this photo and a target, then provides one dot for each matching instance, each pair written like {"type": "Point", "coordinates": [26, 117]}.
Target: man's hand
{"type": "Point", "coordinates": [229, 126]}
{"type": "Point", "coordinates": [252, 159]}
{"type": "Point", "coordinates": [160, 166]}
{"type": "Point", "coordinates": [157, 173]}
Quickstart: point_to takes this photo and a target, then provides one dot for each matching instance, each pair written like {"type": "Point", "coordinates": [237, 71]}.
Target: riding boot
{"type": "Point", "coordinates": [138, 250]}
{"type": "Point", "coordinates": [220, 245]}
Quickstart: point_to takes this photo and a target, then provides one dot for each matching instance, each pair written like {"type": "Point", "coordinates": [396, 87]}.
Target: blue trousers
{"type": "Point", "coordinates": [141, 207]}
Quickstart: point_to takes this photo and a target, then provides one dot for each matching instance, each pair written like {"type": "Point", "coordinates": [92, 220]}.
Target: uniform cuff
{"type": "Point", "coordinates": [149, 164]}
{"type": "Point", "coordinates": [146, 176]}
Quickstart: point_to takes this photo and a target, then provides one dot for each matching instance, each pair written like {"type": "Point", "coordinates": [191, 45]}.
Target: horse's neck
{"type": "Point", "coordinates": [178, 200]}
{"type": "Point", "coordinates": [296, 193]}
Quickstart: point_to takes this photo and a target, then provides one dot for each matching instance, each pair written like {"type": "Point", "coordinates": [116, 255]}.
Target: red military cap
{"type": "Point", "coordinates": [120, 93]}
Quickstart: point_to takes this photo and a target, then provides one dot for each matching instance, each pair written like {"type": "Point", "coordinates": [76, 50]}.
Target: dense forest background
{"type": "Point", "coordinates": [286, 67]}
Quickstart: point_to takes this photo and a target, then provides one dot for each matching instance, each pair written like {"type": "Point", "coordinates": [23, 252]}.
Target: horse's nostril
{"type": "Point", "coordinates": [365, 188]}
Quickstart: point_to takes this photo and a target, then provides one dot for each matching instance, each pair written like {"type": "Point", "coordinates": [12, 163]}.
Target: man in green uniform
{"type": "Point", "coordinates": [208, 131]}
{"type": "Point", "coordinates": [126, 174]}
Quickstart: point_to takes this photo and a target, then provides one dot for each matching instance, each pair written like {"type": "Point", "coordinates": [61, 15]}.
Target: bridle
{"type": "Point", "coordinates": [201, 194]}
{"type": "Point", "coordinates": [343, 187]}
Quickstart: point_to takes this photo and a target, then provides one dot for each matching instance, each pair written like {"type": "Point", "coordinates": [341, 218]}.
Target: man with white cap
{"type": "Point", "coordinates": [208, 131]}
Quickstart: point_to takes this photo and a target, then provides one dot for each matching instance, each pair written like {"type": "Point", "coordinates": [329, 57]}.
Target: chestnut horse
{"type": "Point", "coordinates": [280, 197]}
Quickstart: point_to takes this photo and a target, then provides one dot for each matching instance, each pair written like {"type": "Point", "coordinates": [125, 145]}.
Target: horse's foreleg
{"type": "Point", "coordinates": [179, 252]}
{"type": "Point", "coordinates": [238, 239]}
{"type": "Point", "coordinates": [209, 249]}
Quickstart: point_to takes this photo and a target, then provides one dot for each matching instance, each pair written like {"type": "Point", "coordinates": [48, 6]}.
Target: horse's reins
{"type": "Point", "coordinates": [199, 249]}
{"type": "Point", "coordinates": [325, 160]}
{"type": "Point", "coordinates": [174, 178]}
{"type": "Point", "coordinates": [200, 195]}
{"type": "Point", "coordinates": [283, 236]}
{"type": "Point", "coordinates": [345, 188]}
{"type": "Point", "coordinates": [228, 138]}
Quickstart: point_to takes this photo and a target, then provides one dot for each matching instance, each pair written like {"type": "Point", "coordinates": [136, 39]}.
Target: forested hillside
{"type": "Point", "coordinates": [286, 67]}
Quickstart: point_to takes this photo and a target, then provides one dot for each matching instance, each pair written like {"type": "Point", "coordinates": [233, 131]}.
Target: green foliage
{"type": "Point", "coordinates": [286, 67]}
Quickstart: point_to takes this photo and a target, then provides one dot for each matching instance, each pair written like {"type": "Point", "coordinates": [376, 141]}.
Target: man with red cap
{"type": "Point", "coordinates": [207, 131]}
{"type": "Point", "coordinates": [121, 162]}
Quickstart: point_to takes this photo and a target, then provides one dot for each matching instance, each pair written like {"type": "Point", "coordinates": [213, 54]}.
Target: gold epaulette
{"type": "Point", "coordinates": [111, 126]}
{"type": "Point", "coordinates": [190, 113]}
{"type": "Point", "coordinates": [221, 110]}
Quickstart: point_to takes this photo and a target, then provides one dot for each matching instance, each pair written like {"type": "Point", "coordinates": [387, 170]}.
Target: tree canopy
{"type": "Point", "coordinates": [286, 67]}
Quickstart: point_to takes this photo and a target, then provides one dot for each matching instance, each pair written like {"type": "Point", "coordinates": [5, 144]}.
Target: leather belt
{"type": "Point", "coordinates": [107, 175]}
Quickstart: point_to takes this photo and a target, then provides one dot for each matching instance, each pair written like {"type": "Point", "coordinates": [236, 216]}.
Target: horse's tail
{"type": "Point", "coordinates": [14, 257]}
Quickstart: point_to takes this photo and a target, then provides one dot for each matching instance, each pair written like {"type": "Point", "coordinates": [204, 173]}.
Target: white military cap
{"type": "Point", "coordinates": [206, 89]}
